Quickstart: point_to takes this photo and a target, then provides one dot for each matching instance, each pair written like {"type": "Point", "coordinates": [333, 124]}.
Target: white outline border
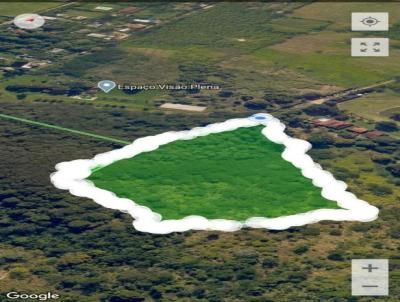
{"type": "Point", "coordinates": [72, 176]}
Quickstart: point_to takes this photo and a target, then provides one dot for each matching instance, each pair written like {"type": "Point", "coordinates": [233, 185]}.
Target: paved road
{"type": "Point", "coordinates": [348, 92]}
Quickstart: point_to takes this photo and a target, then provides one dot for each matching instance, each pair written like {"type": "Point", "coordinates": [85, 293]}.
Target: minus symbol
{"type": "Point", "coordinates": [370, 286]}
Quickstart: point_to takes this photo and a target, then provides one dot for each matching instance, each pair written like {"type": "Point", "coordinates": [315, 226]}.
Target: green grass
{"type": "Point", "coordinates": [140, 66]}
{"type": "Point", "coordinates": [12, 9]}
{"type": "Point", "coordinates": [336, 67]}
{"type": "Point", "coordinates": [375, 106]}
{"type": "Point", "coordinates": [232, 175]}
{"type": "Point", "coordinates": [84, 13]}
{"type": "Point", "coordinates": [339, 13]}
{"type": "Point", "coordinates": [379, 106]}
{"type": "Point", "coordinates": [143, 99]}
{"type": "Point", "coordinates": [297, 25]}
{"type": "Point", "coordinates": [159, 10]}
{"type": "Point", "coordinates": [115, 98]}
{"type": "Point", "coordinates": [218, 27]}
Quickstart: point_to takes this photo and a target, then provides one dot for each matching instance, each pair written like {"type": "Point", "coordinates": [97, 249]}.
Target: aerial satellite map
{"type": "Point", "coordinates": [199, 151]}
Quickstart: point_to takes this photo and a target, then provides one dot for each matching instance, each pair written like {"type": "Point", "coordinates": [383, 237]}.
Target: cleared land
{"type": "Point", "coordinates": [376, 106]}
{"type": "Point", "coordinates": [231, 175]}
{"type": "Point", "coordinates": [220, 27]}
{"type": "Point", "coordinates": [339, 14]}
{"type": "Point", "coordinates": [326, 57]}
{"type": "Point", "coordinates": [11, 9]}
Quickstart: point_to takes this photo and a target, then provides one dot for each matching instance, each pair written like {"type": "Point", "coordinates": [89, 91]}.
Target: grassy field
{"type": "Point", "coordinates": [140, 66]}
{"type": "Point", "coordinates": [219, 27]}
{"type": "Point", "coordinates": [84, 13]}
{"type": "Point", "coordinates": [12, 9]}
{"type": "Point", "coordinates": [368, 171]}
{"type": "Point", "coordinates": [326, 57]}
{"type": "Point", "coordinates": [257, 75]}
{"type": "Point", "coordinates": [231, 175]}
{"type": "Point", "coordinates": [377, 106]}
{"type": "Point", "coordinates": [115, 98]}
{"type": "Point", "coordinates": [339, 14]}
{"type": "Point", "coordinates": [224, 37]}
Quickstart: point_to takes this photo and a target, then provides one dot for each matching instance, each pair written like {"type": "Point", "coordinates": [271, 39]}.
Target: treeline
{"type": "Point", "coordinates": [79, 66]}
{"type": "Point", "coordinates": [51, 239]}
{"type": "Point", "coordinates": [71, 90]}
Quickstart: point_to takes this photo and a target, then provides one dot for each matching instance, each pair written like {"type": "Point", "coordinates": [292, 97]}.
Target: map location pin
{"type": "Point", "coordinates": [29, 21]}
{"type": "Point", "coordinates": [106, 85]}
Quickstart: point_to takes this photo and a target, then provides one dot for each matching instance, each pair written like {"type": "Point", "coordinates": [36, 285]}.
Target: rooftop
{"type": "Point", "coordinates": [374, 133]}
{"type": "Point", "coordinates": [332, 123]}
{"type": "Point", "coordinates": [130, 9]}
{"type": "Point", "coordinates": [183, 107]}
{"type": "Point", "coordinates": [358, 130]}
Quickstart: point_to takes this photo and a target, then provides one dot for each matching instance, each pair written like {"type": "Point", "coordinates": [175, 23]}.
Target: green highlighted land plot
{"type": "Point", "coordinates": [228, 175]}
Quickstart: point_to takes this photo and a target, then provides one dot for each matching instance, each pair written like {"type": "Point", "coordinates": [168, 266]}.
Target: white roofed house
{"type": "Point", "coordinates": [57, 50]}
{"type": "Point", "coordinates": [103, 8]}
{"type": "Point", "coordinates": [146, 21]}
{"type": "Point", "coordinates": [95, 35]}
{"type": "Point", "coordinates": [34, 64]}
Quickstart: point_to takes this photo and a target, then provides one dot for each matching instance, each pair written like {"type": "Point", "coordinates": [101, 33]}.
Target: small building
{"type": "Point", "coordinates": [146, 21]}
{"type": "Point", "coordinates": [136, 25]}
{"type": "Point", "coordinates": [375, 133]}
{"type": "Point", "coordinates": [130, 10]}
{"type": "Point", "coordinates": [25, 55]}
{"type": "Point", "coordinates": [95, 24]}
{"type": "Point", "coordinates": [358, 130]}
{"type": "Point", "coordinates": [49, 18]}
{"type": "Point", "coordinates": [332, 123]}
{"type": "Point", "coordinates": [80, 18]}
{"type": "Point", "coordinates": [94, 35]}
{"type": "Point", "coordinates": [103, 8]}
{"type": "Point", "coordinates": [120, 36]}
{"type": "Point", "coordinates": [83, 31]}
{"type": "Point", "coordinates": [183, 107]}
{"type": "Point", "coordinates": [56, 50]}
{"type": "Point", "coordinates": [205, 6]}
{"type": "Point", "coordinates": [34, 64]}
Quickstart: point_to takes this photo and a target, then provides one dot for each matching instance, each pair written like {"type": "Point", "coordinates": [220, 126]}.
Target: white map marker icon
{"type": "Point", "coordinates": [106, 85]}
{"type": "Point", "coordinates": [28, 21]}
